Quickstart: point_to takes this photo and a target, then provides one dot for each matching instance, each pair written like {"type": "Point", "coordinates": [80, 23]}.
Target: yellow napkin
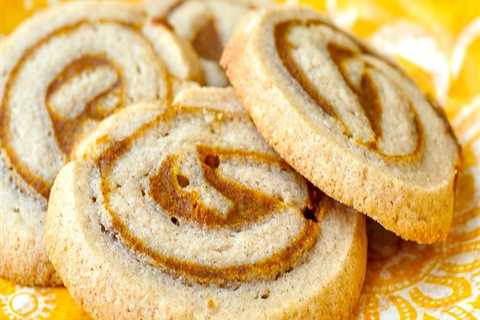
{"type": "Point", "coordinates": [438, 44]}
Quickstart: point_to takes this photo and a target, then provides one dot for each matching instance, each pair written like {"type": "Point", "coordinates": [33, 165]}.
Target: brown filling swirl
{"type": "Point", "coordinates": [68, 131]}
{"type": "Point", "coordinates": [207, 42]}
{"type": "Point", "coordinates": [366, 93]}
{"type": "Point", "coordinates": [167, 189]}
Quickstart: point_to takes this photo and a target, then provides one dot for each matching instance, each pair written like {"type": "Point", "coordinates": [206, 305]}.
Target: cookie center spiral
{"type": "Point", "coordinates": [247, 205]}
{"type": "Point", "coordinates": [359, 90]}
{"type": "Point", "coordinates": [87, 90]}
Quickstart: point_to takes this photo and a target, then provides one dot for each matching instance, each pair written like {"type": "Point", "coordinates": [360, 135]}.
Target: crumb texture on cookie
{"type": "Point", "coordinates": [347, 118]}
{"type": "Point", "coordinates": [188, 212]}
{"type": "Point", "coordinates": [61, 73]}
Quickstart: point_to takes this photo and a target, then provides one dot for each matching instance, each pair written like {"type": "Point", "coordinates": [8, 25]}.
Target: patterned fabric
{"type": "Point", "coordinates": [438, 43]}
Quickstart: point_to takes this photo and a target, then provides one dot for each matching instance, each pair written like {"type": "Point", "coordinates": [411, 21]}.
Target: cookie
{"type": "Point", "coordinates": [188, 213]}
{"type": "Point", "coordinates": [61, 73]}
{"type": "Point", "coordinates": [206, 24]}
{"type": "Point", "coordinates": [346, 118]}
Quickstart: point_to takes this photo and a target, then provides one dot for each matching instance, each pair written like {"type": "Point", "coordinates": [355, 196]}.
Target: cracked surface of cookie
{"type": "Point", "coordinates": [61, 73]}
{"type": "Point", "coordinates": [188, 213]}
{"type": "Point", "coordinates": [348, 119]}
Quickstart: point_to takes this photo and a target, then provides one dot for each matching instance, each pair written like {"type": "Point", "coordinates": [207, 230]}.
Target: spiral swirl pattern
{"type": "Point", "coordinates": [193, 202]}
{"type": "Point", "coordinates": [373, 109]}
{"type": "Point", "coordinates": [198, 176]}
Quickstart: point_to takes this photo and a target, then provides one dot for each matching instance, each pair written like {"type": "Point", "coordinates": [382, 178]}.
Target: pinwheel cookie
{"type": "Point", "coordinates": [188, 213]}
{"type": "Point", "coordinates": [62, 72]}
{"type": "Point", "coordinates": [347, 119]}
{"type": "Point", "coordinates": [207, 24]}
